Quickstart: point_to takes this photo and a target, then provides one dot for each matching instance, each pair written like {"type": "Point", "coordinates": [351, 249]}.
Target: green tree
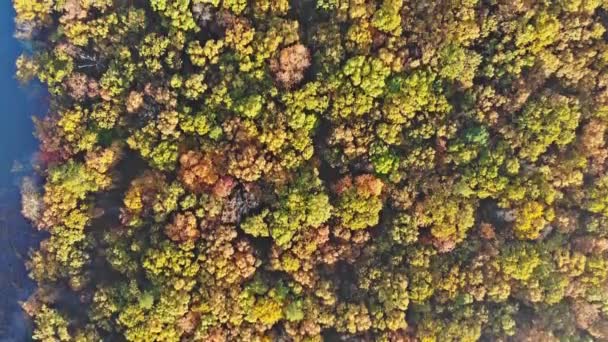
{"type": "Point", "coordinates": [359, 204]}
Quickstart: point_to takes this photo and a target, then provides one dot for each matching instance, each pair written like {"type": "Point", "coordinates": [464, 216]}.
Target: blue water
{"type": "Point", "coordinates": [17, 144]}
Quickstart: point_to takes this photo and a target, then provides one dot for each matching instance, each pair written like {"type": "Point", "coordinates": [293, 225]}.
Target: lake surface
{"type": "Point", "coordinates": [17, 146]}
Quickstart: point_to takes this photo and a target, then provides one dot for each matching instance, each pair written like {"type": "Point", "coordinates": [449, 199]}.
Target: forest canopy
{"type": "Point", "coordinates": [319, 170]}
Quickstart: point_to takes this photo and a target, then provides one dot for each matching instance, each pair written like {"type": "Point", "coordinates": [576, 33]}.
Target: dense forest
{"type": "Point", "coordinates": [319, 170]}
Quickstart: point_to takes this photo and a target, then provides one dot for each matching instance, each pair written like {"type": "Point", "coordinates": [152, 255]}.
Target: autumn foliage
{"type": "Point", "coordinates": [320, 170]}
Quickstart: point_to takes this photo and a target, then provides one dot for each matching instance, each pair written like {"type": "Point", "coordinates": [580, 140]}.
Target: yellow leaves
{"type": "Point", "coordinates": [77, 32]}
{"type": "Point", "coordinates": [105, 115]}
{"type": "Point", "coordinates": [353, 318]}
{"type": "Point", "coordinates": [367, 73]}
{"type": "Point", "coordinates": [101, 5]}
{"type": "Point", "coordinates": [391, 59]}
{"type": "Point", "coordinates": [27, 68]}
{"type": "Point", "coordinates": [361, 80]}
{"type": "Point", "coordinates": [290, 263]}
{"type": "Point", "coordinates": [275, 7]}
{"type": "Point", "coordinates": [540, 31]}
{"type": "Point", "coordinates": [415, 93]}
{"type": "Point", "coordinates": [239, 38]}
{"type": "Point", "coordinates": [451, 283]}
{"type": "Point", "coordinates": [596, 271]}
{"type": "Point", "coordinates": [520, 261]}
{"type": "Point", "coordinates": [448, 215]}
{"type": "Point", "coordinates": [236, 6]}
{"type": "Point", "coordinates": [210, 53]}
{"type": "Point", "coordinates": [152, 49]}
{"type": "Point", "coordinates": [167, 122]}
{"type": "Point", "coordinates": [255, 225]}
{"type": "Point", "coordinates": [356, 8]}
{"type": "Point", "coordinates": [597, 197]}
{"type": "Point", "coordinates": [154, 45]}
{"type": "Point", "coordinates": [103, 159]}
{"type": "Point", "coordinates": [570, 263]}
{"type": "Point", "coordinates": [388, 17]}
{"type": "Point", "coordinates": [274, 139]}
{"type": "Point", "coordinates": [266, 310]}
{"type": "Point", "coordinates": [29, 10]}
{"type": "Point", "coordinates": [580, 5]}
{"type": "Point", "coordinates": [55, 67]}
{"type": "Point", "coordinates": [143, 139]}
{"type": "Point", "coordinates": [100, 28]}
{"type": "Point", "coordinates": [71, 122]}
{"type": "Point", "coordinates": [51, 326]}
{"type": "Point", "coordinates": [194, 86]}
{"type": "Point", "coordinates": [176, 13]}
{"type": "Point", "coordinates": [199, 123]}
{"type": "Point", "coordinates": [499, 291]}
{"type": "Point", "coordinates": [88, 141]}
{"type": "Point", "coordinates": [214, 3]}
{"type": "Point", "coordinates": [171, 263]}
{"type": "Point", "coordinates": [359, 37]}
{"type": "Point", "coordinates": [545, 121]}
{"type": "Point", "coordinates": [359, 205]}
{"type": "Point", "coordinates": [249, 107]}
{"type": "Point", "coordinates": [77, 219]}
{"type": "Point", "coordinates": [74, 129]}
{"type": "Point", "coordinates": [116, 79]}
{"type": "Point", "coordinates": [69, 185]}
{"type": "Point", "coordinates": [550, 62]}
{"type": "Point", "coordinates": [132, 200]}
{"type": "Point", "coordinates": [531, 219]}
{"type": "Point", "coordinates": [459, 64]}
{"type": "Point", "coordinates": [365, 102]}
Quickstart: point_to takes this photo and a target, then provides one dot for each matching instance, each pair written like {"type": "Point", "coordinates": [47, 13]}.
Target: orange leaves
{"type": "Point", "coordinates": [223, 187]}
{"type": "Point", "coordinates": [368, 185]}
{"type": "Point", "coordinates": [247, 163]}
{"type": "Point", "coordinates": [201, 172]}
{"type": "Point", "coordinates": [103, 160]}
{"type": "Point", "coordinates": [134, 101]}
{"type": "Point", "coordinates": [198, 171]}
{"type": "Point", "coordinates": [290, 66]}
{"type": "Point", "coordinates": [183, 228]}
